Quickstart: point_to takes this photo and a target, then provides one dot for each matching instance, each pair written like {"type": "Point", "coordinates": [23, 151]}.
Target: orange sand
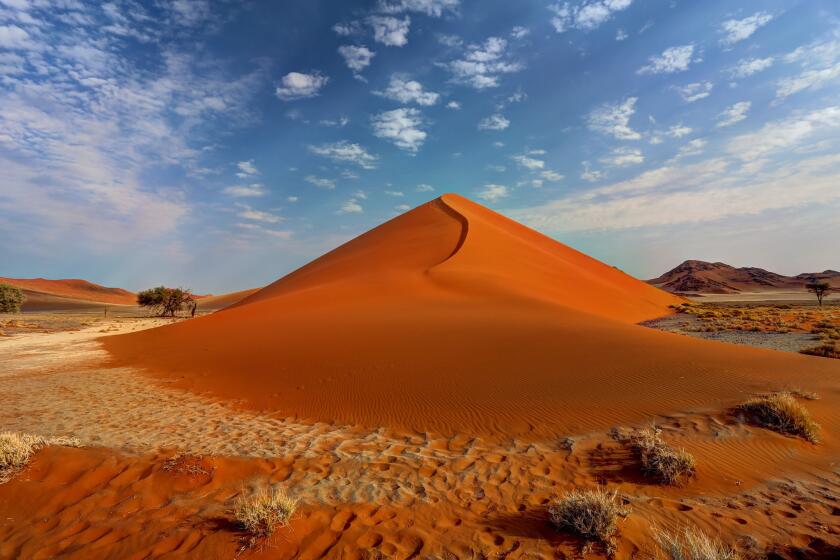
{"type": "Point", "coordinates": [454, 319]}
{"type": "Point", "coordinates": [73, 289]}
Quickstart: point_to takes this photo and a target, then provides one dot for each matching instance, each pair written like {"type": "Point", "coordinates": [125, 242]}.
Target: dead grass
{"type": "Point", "coordinates": [590, 514]}
{"type": "Point", "coordinates": [16, 449]}
{"type": "Point", "coordinates": [782, 413]}
{"type": "Point", "coordinates": [264, 511]}
{"type": "Point", "coordinates": [692, 544]}
{"type": "Point", "coordinates": [660, 460]}
{"type": "Point", "coordinates": [825, 350]}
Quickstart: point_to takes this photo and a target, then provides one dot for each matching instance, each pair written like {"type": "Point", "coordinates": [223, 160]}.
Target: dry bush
{"type": "Point", "coordinates": [265, 510]}
{"type": "Point", "coordinates": [781, 413]}
{"type": "Point", "coordinates": [659, 460]}
{"type": "Point", "coordinates": [16, 449]}
{"type": "Point", "coordinates": [692, 544]}
{"type": "Point", "coordinates": [825, 350]}
{"type": "Point", "coordinates": [590, 514]}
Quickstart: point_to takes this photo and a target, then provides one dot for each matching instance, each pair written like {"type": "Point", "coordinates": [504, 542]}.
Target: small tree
{"type": "Point", "coordinates": [165, 301]}
{"type": "Point", "coordinates": [820, 289]}
{"type": "Point", "coordinates": [11, 297]}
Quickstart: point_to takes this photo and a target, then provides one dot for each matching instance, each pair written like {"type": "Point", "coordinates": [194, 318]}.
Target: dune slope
{"type": "Point", "coordinates": [452, 318]}
{"type": "Point", "coordinates": [42, 288]}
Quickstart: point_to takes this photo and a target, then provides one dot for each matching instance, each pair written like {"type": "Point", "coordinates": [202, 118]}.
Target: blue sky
{"type": "Point", "coordinates": [219, 145]}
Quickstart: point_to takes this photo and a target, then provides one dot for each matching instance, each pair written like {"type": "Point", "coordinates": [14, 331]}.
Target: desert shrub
{"type": "Point", "coordinates": [658, 459]}
{"type": "Point", "coordinates": [165, 301]}
{"type": "Point", "coordinates": [781, 413]}
{"type": "Point", "coordinates": [692, 544]}
{"type": "Point", "coordinates": [16, 449]}
{"type": "Point", "coordinates": [825, 350]}
{"type": "Point", "coordinates": [11, 298]}
{"type": "Point", "coordinates": [265, 510]}
{"type": "Point", "coordinates": [590, 514]}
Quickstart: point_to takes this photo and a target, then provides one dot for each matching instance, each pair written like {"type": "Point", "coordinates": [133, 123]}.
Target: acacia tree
{"type": "Point", "coordinates": [820, 289]}
{"type": "Point", "coordinates": [165, 301]}
{"type": "Point", "coordinates": [11, 297]}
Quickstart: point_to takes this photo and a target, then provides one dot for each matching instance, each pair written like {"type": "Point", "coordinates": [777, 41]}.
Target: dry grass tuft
{"type": "Point", "coordinates": [659, 460]}
{"type": "Point", "coordinates": [692, 544]}
{"type": "Point", "coordinates": [781, 413]}
{"type": "Point", "coordinates": [825, 350]}
{"type": "Point", "coordinates": [16, 449]}
{"type": "Point", "coordinates": [591, 514]}
{"type": "Point", "coordinates": [264, 511]}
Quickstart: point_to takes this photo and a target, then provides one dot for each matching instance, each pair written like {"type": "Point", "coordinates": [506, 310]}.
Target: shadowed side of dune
{"type": "Point", "coordinates": [452, 318]}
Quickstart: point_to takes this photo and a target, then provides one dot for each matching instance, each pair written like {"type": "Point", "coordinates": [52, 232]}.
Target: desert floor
{"type": "Point", "coordinates": [159, 468]}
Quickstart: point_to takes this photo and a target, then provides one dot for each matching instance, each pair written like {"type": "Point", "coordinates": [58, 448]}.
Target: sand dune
{"type": "Point", "coordinates": [452, 318]}
{"type": "Point", "coordinates": [215, 303]}
{"type": "Point", "coordinates": [68, 295]}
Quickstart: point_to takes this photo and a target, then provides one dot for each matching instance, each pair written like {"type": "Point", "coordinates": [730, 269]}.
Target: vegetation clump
{"type": "Point", "coordinates": [692, 544]}
{"type": "Point", "coordinates": [166, 301]}
{"type": "Point", "coordinates": [590, 514]}
{"type": "Point", "coordinates": [16, 449]}
{"type": "Point", "coordinates": [658, 459]}
{"type": "Point", "coordinates": [11, 298]}
{"type": "Point", "coordinates": [825, 350]}
{"type": "Point", "coordinates": [782, 413]}
{"type": "Point", "coordinates": [264, 511]}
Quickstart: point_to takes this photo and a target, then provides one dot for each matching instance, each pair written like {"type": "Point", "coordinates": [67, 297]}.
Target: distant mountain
{"type": "Point", "coordinates": [54, 292]}
{"type": "Point", "coordinates": [720, 278]}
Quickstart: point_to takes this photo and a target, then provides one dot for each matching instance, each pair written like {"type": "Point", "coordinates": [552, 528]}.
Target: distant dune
{"type": "Point", "coordinates": [215, 303]}
{"type": "Point", "coordinates": [719, 278]}
{"type": "Point", "coordinates": [45, 295]}
{"type": "Point", "coordinates": [451, 318]}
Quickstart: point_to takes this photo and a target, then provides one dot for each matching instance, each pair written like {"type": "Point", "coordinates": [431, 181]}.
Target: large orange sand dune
{"type": "Point", "coordinates": [452, 318]}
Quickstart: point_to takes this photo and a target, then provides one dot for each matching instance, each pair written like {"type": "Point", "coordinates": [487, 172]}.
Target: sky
{"type": "Point", "coordinates": [220, 145]}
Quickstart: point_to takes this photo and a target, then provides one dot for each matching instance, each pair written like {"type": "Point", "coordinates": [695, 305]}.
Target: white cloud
{"type": "Point", "coordinates": [425, 188]}
{"type": "Point", "coordinates": [623, 156]}
{"type": "Point", "coordinates": [695, 91]}
{"type": "Point", "coordinates": [246, 168]}
{"type": "Point", "coordinates": [736, 30]}
{"type": "Point", "coordinates": [785, 135]}
{"type": "Point", "coordinates": [820, 65]}
{"type": "Point", "coordinates": [348, 28]}
{"type": "Point", "coordinates": [453, 105]}
{"type": "Point", "coordinates": [621, 35]}
{"type": "Point", "coordinates": [493, 122]}
{"type": "Point", "coordinates": [340, 122]}
{"type": "Point", "coordinates": [356, 57]}
{"type": "Point", "coordinates": [13, 37]}
{"type": "Point", "coordinates": [390, 31]}
{"type": "Point", "coordinates": [401, 127]}
{"type": "Point", "coordinates": [346, 152]}
{"type": "Point", "coordinates": [707, 191]}
{"type": "Point", "coordinates": [678, 131]}
{"type": "Point", "coordinates": [749, 66]}
{"type": "Point", "coordinates": [692, 148]}
{"type": "Point", "coordinates": [396, 194]}
{"type": "Point", "coordinates": [296, 85]}
{"type": "Point", "coordinates": [432, 8]}
{"type": "Point", "coordinates": [402, 208]}
{"type": "Point", "coordinates": [589, 174]}
{"type": "Point", "coordinates": [405, 90]}
{"type": "Point", "coordinates": [492, 193]}
{"type": "Point", "coordinates": [257, 228]}
{"type": "Point", "coordinates": [259, 216]}
{"type": "Point", "coordinates": [734, 114]}
{"type": "Point", "coordinates": [614, 119]}
{"type": "Point", "coordinates": [552, 176]}
{"type": "Point", "coordinates": [252, 190]}
{"type": "Point", "coordinates": [585, 16]}
{"type": "Point", "coordinates": [528, 162]}
{"type": "Point", "coordinates": [519, 32]}
{"type": "Point", "coordinates": [360, 195]}
{"type": "Point", "coordinates": [672, 59]}
{"type": "Point", "coordinates": [351, 206]}
{"type": "Point", "coordinates": [320, 182]}
{"type": "Point", "coordinates": [482, 65]}
{"type": "Point", "coordinates": [292, 199]}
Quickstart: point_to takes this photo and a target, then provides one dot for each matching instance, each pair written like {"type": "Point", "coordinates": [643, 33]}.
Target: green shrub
{"type": "Point", "coordinates": [11, 298]}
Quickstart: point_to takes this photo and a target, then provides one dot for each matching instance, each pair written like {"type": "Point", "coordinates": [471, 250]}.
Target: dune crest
{"type": "Point", "coordinates": [452, 318]}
